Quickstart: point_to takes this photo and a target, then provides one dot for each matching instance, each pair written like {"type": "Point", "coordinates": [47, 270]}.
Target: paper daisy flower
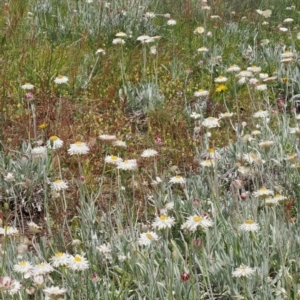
{"type": "Point", "coordinates": [60, 259]}
{"type": "Point", "coordinates": [149, 153]}
{"type": "Point", "coordinates": [23, 267]}
{"type": "Point", "coordinates": [177, 179]}
{"type": "Point", "coordinates": [118, 41]}
{"type": "Point", "coordinates": [220, 79]}
{"type": "Point", "coordinates": [199, 30]}
{"type": "Point", "coordinates": [105, 249]}
{"type": "Point", "coordinates": [40, 151]}
{"type": "Point", "coordinates": [9, 231]}
{"type": "Point", "coordinates": [245, 73]}
{"type": "Point", "coordinates": [243, 271]}
{"type": "Point", "coordinates": [60, 79]}
{"type": "Point", "coordinates": [197, 221]}
{"type": "Point", "coordinates": [100, 51]}
{"type": "Point", "coordinates": [253, 158]}
{"type": "Point", "coordinates": [261, 87]}
{"type": "Point", "coordinates": [119, 143]}
{"type": "Point", "coordinates": [54, 142]}
{"type": "Point", "coordinates": [121, 34]}
{"type": "Point", "coordinates": [78, 148]}
{"type": "Point", "coordinates": [171, 22]}
{"type": "Point", "coordinates": [279, 197]}
{"type": "Point", "coordinates": [129, 164]}
{"type": "Point", "coordinates": [202, 49]}
{"type": "Point", "coordinates": [33, 227]}
{"type": "Point", "coordinates": [263, 193]}
{"type": "Point", "coordinates": [143, 38]}
{"type": "Point", "coordinates": [27, 86]}
{"type": "Point", "coordinates": [147, 238]}
{"type": "Point", "coordinates": [233, 68]}
{"type": "Point", "coordinates": [163, 222]}
{"type": "Point", "coordinates": [225, 115]}
{"type": "Point", "coordinates": [78, 263]}
{"type": "Point", "coordinates": [112, 159]}
{"type": "Point", "coordinates": [211, 122]}
{"type": "Point", "coordinates": [249, 225]}
{"type": "Point", "coordinates": [9, 177]}
{"type": "Point", "coordinates": [266, 144]}
{"type": "Point", "coordinates": [201, 93]}
{"type": "Point", "coordinates": [42, 269]}
{"type": "Point", "coordinates": [271, 201]}
{"type": "Point", "coordinates": [107, 137]}
{"type": "Point", "coordinates": [254, 69]}
{"type": "Point", "coordinates": [195, 115]}
{"type": "Point", "coordinates": [59, 185]}
{"type": "Point", "coordinates": [54, 292]}
{"type": "Point", "coordinates": [208, 163]}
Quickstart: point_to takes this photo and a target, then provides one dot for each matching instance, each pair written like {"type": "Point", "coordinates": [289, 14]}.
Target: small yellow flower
{"type": "Point", "coordinates": [221, 88]}
{"type": "Point", "coordinates": [43, 126]}
{"type": "Point", "coordinates": [284, 80]}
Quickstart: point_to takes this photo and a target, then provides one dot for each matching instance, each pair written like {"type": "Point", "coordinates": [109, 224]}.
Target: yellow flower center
{"type": "Point", "coordinates": [178, 176]}
{"type": "Point", "coordinates": [6, 228]}
{"type": "Point", "coordinates": [22, 263]}
{"type": "Point", "coordinates": [149, 236]}
{"type": "Point", "coordinates": [163, 217]}
{"type": "Point", "coordinates": [41, 265]}
{"type": "Point", "coordinates": [243, 267]}
{"type": "Point", "coordinates": [78, 259]}
{"type": "Point", "coordinates": [53, 138]}
{"type": "Point", "coordinates": [249, 222]}
{"type": "Point", "coordinates": [201, 90]}
{"type": "Point", "coordinates": [58, 181]}
{"type": "Point", "coordinates": [197, 219]}
{"type": "Point", "coordinates": [60, 76]}
{"type": "Point", "coordinates": [263, 189]}
{"type": "Point", "coordinates": [211, 150]}
{"type": "Point", "coordinates": [113, 157]}
{"type": "Point", "coordinates": [59, 254]}
{"type": "Point", "coordinates": [78, 143]}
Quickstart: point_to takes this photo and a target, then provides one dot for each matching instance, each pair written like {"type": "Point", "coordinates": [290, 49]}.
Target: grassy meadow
{"type": "Point", "coordinates": [149, 149]}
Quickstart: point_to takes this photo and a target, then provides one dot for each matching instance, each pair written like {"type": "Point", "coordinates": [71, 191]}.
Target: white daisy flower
{"type": "Point", "coordinates": [42, 269]}
{"type": "Point", "coordinates": [153, 50]}
{"type": "Point", "coordinates": [119, 143]}
{"type": "Point", "coordinates": [263, 193]}
{"type": "Point", "coordinates": [254, 69]}
{"type": "Point", "coordinates": [163, 222]}
{"type": "Point", "coordinates": [27, 86]}
{"type": "Point", "coordinates": [33, 227]}
{"type": "Point", "coordinates": [100, 51]}
{"type": "Point", "coordinates": [199, 30]}
{"type": "Point", "coordinates": [279, 197]}
{"type": "Point", "coordinates": [121, 34]}
{"type": "Point", "coordinates": [15, 288]}
{"type": "Point", "coordinates": [9, 231]}
{"type": "Point", "coordinates": [171, 22]}
{"type": "Point", "coordinates": [54, 142]}
{"type": "Point", "coordinates": [149, 153]}
{"type": "Point", "coordinates": [211, 122]}
{"type": "Point", "coordinates": [261, 87]}
{"type": "Point", "coordinates": [39, 151]}
{"type": "Point", "coordinates": [288, 20]}
{"type": "Point", "coordinates": [202, 49]}
{"type": "Point", "coordinates": [243, 271]}
{"type": "Point", "coordinates": [59, 185]}
{"type": "Point", "coordinates": [78, 148]}
{"type": "Point", "coordinates": [249, 225]}
{"type": "Point", "coordinates": [60, 259]}
{"type": "Point", "coordinates": [195, 115]}
{"type": "Point", "coordinates": [129, 164]}
{"type": "Point", "coordinates": [197, 221]}
{"type": "Point", "coordinates": [54, 292]}
{"type": "Point", "coordinates": [245, 73]}
{"type": "Point", "coordinates": [112, 159]}
{"type": "Point", "coordinates": [220, 79]}
{"type": "Point", "coordinates": [149, 14]}
{"type": "Point", "coordinates": [61, 79]}
{"type": "Point", "coordinates": [233, 68]}
{"type": "Point", "coordinates": [177, 179]}
{"type": "Point", "coordinates": [143, 38]}
{"type": "Point", "coordinates": [208, 163]}
{"type": "Point", "coordinates": [23, 267]}
{"type": "Point", "coordinates": [261, 114]}
{"type": "Point", "coordinates": [225, 115]}
{"type": "Point", "coordinates": [266, 144]}
{"type": "Point", "coordinates": [201, 93]}
{"type": "Point", "coordinates": [78, 263]}
{"type": "Point", "coordinates": [147, 238]}
{"type": "Point", "coordinates": [9, 177]}
{"type": "Point", "coordinates": [107, 137]}
{"type": "Point", "coordinates": [118, 41]}
{"type": "Point", "coordinates": [271, 201]}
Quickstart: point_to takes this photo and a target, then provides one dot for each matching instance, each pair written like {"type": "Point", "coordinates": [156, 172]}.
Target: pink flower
{"type": "Point", "coordinates": [29, 96]}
